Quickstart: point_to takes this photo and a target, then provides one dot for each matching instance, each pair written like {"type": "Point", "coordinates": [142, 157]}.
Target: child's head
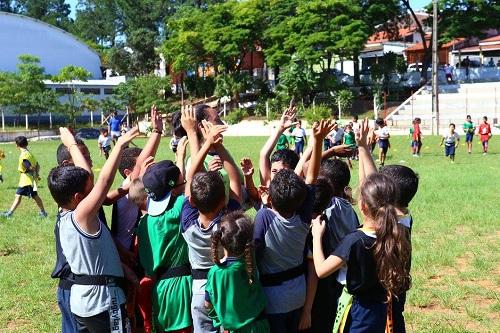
{"type": "Point", "coordinates": [322, 196]}
{"type": "Point", "coordinates": [354, 118]}
{"type": "Point", "coordinates": [21, 142]}
{"type": "Point", "coordinates": [485, 119]}
{"type": "Point", "coordinates": [299, 124]}
{"type": "Point", "coordinates": [469, 118]}
{"type": "Point", "coordinates": [202, 112]}
{"type": "Point", "coordinates": [418, 120]}
{"type": "Point", "coordinates": [338, 175]}
{"type": "Point", "coordinates": [104, 131]}
{"type": "Point", "coordinates": [283, 159]}
{"type": "Point", "coordinates": [406, 181]}
{"type": "Point", "coordinates": [64, 157]}
{"type": "Point", "coordinates": [348, 128]}
{"type": "Point", "coordinates": [235, 235]}
{"type": "Point", "coordinates": [452, 127]}
{"type": "Point", "coordinates": [392, 250]}
{"type": "Point", "coordinates": [208, 192]}
{"type": "Point", "coordinates": [137, 194]}
{"type": "Point", "coordinates": [380, 122]}
{"type": "Point", "coordinates": [160, 181]}
{"type": "Point", "coordinates": [69, 185]}
{"type": "Point", "coordinates": [287, 192]}
{"type": "Point", "coordinates": [127, 163]}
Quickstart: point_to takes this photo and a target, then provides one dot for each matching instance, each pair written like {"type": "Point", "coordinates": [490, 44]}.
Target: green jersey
{"type": "Point", "coordinates": [282, 142]}
{"type": "Point", "coordinates": [237, 304]}
{"type": "Point", "coordinates": [161, 245]}
{"type": "Point", "coordinates": [469, 127]}
{"type": "Point", "coordinates": [349, 139]}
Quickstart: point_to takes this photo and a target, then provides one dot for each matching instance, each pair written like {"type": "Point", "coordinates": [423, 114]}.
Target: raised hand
{"type": "Point", "coordinates": [215, 164]}
{"type": "Point", "coordinates": [322, 129]}
{"type": "Point", "coordinates": [246, 166]}
{"type": "Point", "coordinates": [156, 119]}
{"type": "Point", "coordinates": [213, 133]}
{"type": "Point", "coordinates": [264, 195]}
{"type": "Point", "coordinates": [287, 117]}
{"type": "Point", "coordinates": [188, 118]}
{"type": "Point", "coordinates": [67, 137]}
{"type": "Point", "coordinates": [146, 164]}
{"type": "Point", "coordinates": [126, 138]}
{"type": "Point", "coordinates": [363, 140]}
{"type": "Point", "coordinates": [318, 227]}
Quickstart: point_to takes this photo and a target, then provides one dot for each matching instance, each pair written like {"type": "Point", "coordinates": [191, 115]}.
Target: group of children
{"type": "Point", "coordinates": [181, 255]}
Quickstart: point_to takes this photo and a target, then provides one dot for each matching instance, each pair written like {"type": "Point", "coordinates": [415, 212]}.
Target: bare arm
{"type": "Point", "coordinates": [69, 141]}
{"type": "Point", "coordinates": [86, 211]}
{"type": "Point", "coordinates": [151, 146]}
{"type": "Point", "coordinates": [180, 156]}
{"type": "Point", "coordinates": [248, 170]}
{"type": "Point", "coordinates": [319, 133]}
{"type": "Point", "coordinates": [299, 169]}
{"type": "Point", "coordinates": [312, 286]}
{"type": "Point", "coordinates": [341, 151]}
{"type": "Point", "coordinates": [324, 267]}
{"type": "Point", "coordinates": [188, 121]}
{"type": "Point", "coordinates": [265, 152]}
{"type": "Point", "coordinates": [367, 165]}
{"type": "Point", "coordinates": [235, 192]}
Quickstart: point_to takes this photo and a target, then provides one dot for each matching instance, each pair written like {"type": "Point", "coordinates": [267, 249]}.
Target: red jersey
{"type": "Point", "coordinates": [484, 131]}
{"type": "Point", "coordinates": [416, 132]}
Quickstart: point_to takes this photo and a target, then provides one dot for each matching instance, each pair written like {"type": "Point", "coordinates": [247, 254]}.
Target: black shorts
{"type": "Point", "coordinates": [106, 149]}
{"type": "Point", "coordinates": [101, 322]}
{"type": "Point", "coordinates": [26, 191]}
{"type": "Point", "coordinates": [383, 145]}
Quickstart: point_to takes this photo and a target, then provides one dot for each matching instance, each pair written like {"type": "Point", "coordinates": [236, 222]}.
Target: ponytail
{"type": "Point", "coordinates": [249, 262]}
{"type": "Point", "coordinates": [216, 236]}
{"type": "Point", "coordinates": [392, 251]}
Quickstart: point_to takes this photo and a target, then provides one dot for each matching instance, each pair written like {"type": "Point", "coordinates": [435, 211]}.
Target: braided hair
{"type": "Point", "coordinates": [235, 235]}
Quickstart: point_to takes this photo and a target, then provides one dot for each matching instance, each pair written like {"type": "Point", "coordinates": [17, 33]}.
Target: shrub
{"type": "Point", "coordinates": [316, 113]}
{"type": "Point", "coordinates": [235, 116]}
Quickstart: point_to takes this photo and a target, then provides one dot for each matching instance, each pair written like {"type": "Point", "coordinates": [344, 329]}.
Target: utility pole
{"type": "Point", "coordinates": [435, 60]}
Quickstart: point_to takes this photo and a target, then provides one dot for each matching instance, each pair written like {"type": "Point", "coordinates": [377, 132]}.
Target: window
{"type": "Point", "coordinates": [91, 91]}
{"type": "Point", "coordinates": [109, 91]}
{"type": "Point", "coordinates": [64, 91]}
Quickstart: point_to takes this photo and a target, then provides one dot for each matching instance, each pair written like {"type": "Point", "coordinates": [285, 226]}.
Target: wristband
{"type": "Point", "coordinates": [157, 131]}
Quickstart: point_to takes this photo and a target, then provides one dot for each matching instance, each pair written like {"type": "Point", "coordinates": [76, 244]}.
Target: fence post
{"type": "Point", "coordinates": [3, 122]}
{"type": "Point", "coordinates": [26, 121]}
{"type": "Point", "coordinates": [50, 120]}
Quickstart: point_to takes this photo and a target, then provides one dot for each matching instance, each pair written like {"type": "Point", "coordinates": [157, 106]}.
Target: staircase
{"type": "Point", "coordinates": [456, 101]}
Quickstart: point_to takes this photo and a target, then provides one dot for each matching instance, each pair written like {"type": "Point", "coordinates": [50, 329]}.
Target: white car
{"type": "Point", "coordinates": [414, 67]}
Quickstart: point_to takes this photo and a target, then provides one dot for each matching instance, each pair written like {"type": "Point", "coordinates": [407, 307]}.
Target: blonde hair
{"type": "Point", "coordinates": [136, 193]}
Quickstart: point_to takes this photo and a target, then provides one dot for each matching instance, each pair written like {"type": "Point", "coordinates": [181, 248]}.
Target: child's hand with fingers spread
{"type": "Point", "coordinates": [156, 119]}
{"type": "Point", "coordinates": [215, 164]}
{"type": "Point", "coordinates": [181, 147]}
{"type": "Point", "coordinates": [246, 166]}
{"type": "Point", "coordinates": [146, 164]}
{"type": "Point", "coordinates": [214, 132]}
{"type": "Point", "coordinates": [363, 139]}
{"type": "Point", "coordinates": [264, 195]}
{"type": "Point", "coordinates": [188, 118]}
{"type": "Point", "coordinates": [322, 129]}
{"type": "Point", "coordinates": [126, 138]}
{"type": "Point", "coordinates": [318, 227]}
{"type": "Point", "coordinates": [287, 117]}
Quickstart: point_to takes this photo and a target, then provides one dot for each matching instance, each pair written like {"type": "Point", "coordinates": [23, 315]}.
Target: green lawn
{"type": "Point", "coordinates": [456, 271]}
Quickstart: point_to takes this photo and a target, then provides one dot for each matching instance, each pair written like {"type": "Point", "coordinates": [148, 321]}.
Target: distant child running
{"type": "Point", "coordinates": [233, 291]}
{"type": "Point", "coordinates": [29, 169]}
{"type": "Point", "coordinates": [383, 136]}
{"type": "Point", "coordinates": [451, 141]}
{"type": "Point", "coordinates": [485, 134]}
{"type": "Point", "coordinates": [416, 137]}
{"type": "Point", "coordinates": [300, 138]}
{"type": "Point", "coordinates": [350, 141]}
{"type": "Point", "coordinates": [2, 156]}
{"type": "Point", "coordinates": [115, 126]}
{"type": "Point", "coordinates": [469, 130]}
{"type": "Point", "coordinates": [104, 143]}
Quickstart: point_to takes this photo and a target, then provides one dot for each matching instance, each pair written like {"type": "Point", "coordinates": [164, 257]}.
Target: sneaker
{"type": "Point", "coordinates": [1, 178]}
{"type": "Point", "coordinates": [7, 214]}
{"type": "Point", "coordinates": [484, 153]}
{"type": "Point", "coordinates": [42, 214]}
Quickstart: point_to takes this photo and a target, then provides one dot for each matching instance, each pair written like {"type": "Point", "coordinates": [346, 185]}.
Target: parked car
{"type": "Point", "coordinates": [414, 67]}
{"type": "Point", "coordinates": [87, 133]}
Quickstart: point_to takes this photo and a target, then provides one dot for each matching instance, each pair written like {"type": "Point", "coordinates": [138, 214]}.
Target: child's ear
{"type": "Point", "coordinates": [191, 201]}
{"type": "Point", "coordinates": [127, 172]}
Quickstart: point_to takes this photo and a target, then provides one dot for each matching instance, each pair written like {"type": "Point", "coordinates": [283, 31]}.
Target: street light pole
{"type": "Point", "coordinates": [435, 60]}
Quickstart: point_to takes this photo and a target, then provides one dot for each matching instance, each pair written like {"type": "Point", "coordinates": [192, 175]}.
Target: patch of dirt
{"type": "Point", "coordinates": [8, 250]}
{"type": "Point", "coordinates": [18, 324]}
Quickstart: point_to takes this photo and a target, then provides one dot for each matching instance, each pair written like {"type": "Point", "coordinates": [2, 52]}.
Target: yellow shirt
{"type": "Point", "coordinates": [27, 177]}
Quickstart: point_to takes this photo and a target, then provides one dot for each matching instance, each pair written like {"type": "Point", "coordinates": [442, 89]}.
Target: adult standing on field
{"type": "Point", "coordinates": [115, 126]}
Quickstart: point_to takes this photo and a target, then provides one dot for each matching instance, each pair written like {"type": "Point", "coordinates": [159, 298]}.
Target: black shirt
{"type": "Point", "coordinates": [356, 249]}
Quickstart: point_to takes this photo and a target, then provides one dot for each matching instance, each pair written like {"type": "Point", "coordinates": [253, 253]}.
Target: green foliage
{"type": "Point", "coordinates": [200, 87]}
{"type": "Point", "coordinates": [231, 85]}
{"type": "Point", "coordinates": [55, 12]}
{"type": "Point", "coordinates": [297, 80]}
{"type": "Point", "coordinates": [235, 116]}
{"type": "Point", "coordinates": [344, 99]}
{"type": "Point", "coordinates": [316, 113]}
{"type": "Point", "coordinates": [142, 92]}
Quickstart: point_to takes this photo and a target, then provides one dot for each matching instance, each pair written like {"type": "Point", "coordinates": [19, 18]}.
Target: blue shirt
{"type": "Point", "coordinates": [114, 124]}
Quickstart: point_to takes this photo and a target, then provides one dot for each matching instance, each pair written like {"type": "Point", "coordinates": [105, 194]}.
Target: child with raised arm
{"type": "Point", "coordinates": [233, 292]}
{"type": "Point", "coordinates": [97, 300]}
{"type": "Point", "coordinates": [203, 208]}
{"type": "Point", "coordinates": [29, 169]}
{"type": "Point", "coordinates": [280, 238]}
{"type": "Point", "coordinates": [377, 257]}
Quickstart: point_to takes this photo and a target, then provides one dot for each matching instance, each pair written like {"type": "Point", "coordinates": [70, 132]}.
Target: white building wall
{"type": "Point", "coordinates": [55, 47]}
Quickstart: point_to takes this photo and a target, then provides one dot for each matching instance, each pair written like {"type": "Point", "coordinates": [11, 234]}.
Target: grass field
{"type": "Point", "coordinates": [456, 265]}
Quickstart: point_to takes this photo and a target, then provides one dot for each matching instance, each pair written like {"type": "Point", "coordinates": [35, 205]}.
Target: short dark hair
{"type": "Point", "coordinates": [103, 130]}
{"type": "Point", "coordinates": [286, 156]}
{"type": "Point", "coordinates": [468, 116]}
{"type": "Point", "coordinates": [406, 181]}
{"type": "Point", "coordinates": [129, 157]}
{"type": "Point", "coordinates": [322, 196]}
{"type": "Point", "coordinates": [63, 153]}
{"type": "Point", "coordinates": [338, 175]}
{"type": "Point", "coordinates": [21, 141]}
{"type": "Point", "coordinates": [65, 181]}
{"type": "Point", "coordinates": [287, 192]}
{"type": "Point", "coordinates": [452, 124]}
{"type": "Point", "coordinates": [379, 121]}
{"type": "Point", "coordinates": [355, 117]}
{"type": "Point", "coordinates": [485, 118]}
{"type": "Point", "coordinates": [207, 191]}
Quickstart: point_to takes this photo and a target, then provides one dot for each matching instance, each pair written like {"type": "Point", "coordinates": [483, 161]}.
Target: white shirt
{"type": "Point", "coordinates": [383, 133]}
{"type": "Point", "coordinates": [104, 141]}
{"type": "Point", "coordinates": [299, 134]}
{"type": "Point", "coordinates": [449, 139]}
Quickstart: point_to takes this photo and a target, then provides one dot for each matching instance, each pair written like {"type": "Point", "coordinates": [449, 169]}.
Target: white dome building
{"type": "Point", "coordinates": [55, 47]}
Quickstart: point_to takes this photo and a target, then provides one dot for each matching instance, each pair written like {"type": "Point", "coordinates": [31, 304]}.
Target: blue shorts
{"type": "Point", "coordinates": [416, 143]}
{"type": "Point", "coordinates": [384, 145]}
{"type": "Point", "coordinates": [26, 191]}
{"type": "Point", "coordinates": [469, 137]}
{"type": "Point", "coordinates": [299, 147]}
{"type": "Point", "coordinates": [449, 150]}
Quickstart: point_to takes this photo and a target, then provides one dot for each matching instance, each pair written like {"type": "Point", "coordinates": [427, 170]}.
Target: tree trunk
{"type": "Point", "coordinates": [355, 60]}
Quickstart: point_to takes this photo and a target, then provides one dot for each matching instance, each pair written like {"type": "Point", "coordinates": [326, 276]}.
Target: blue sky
{"type": "Point", "coordinates": [416, 4]}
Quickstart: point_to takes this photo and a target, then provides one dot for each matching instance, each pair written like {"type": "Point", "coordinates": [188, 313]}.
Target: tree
{"type": "Point", "coordinates": [69, 75]}
{"type": "Point", "coordinates": [7, 6]}
{"type": "Point", "coordinates": [297, 80]}
{"type": "Point", "coordinates": [55, 12]}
